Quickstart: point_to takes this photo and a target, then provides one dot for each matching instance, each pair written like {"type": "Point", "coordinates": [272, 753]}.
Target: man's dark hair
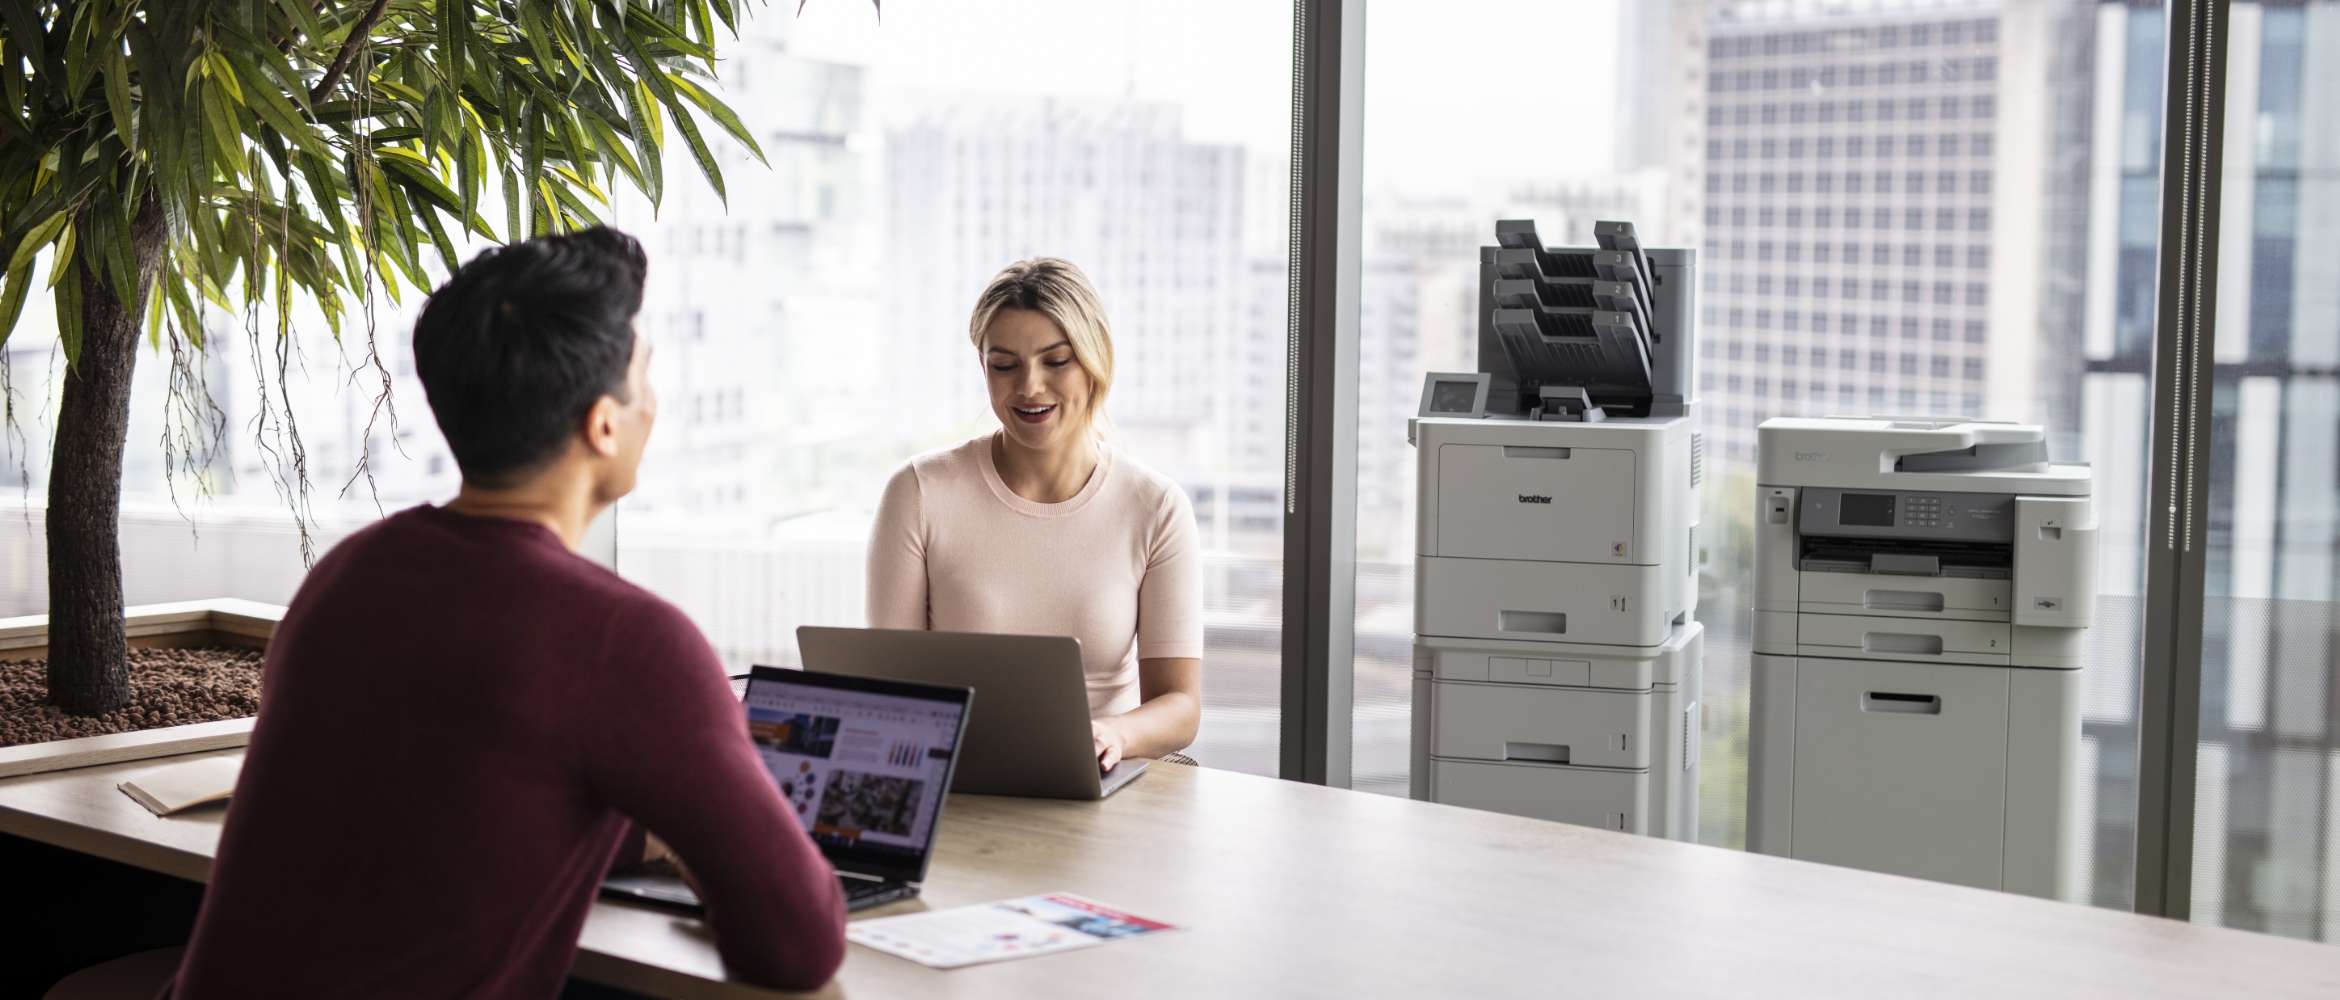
{"type": "Point", "coordinates": [520, 342]}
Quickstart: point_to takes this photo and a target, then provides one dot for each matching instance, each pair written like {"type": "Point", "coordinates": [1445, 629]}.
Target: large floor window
{"type": "Point", "coordinates": [812, 332]}
{"type": "Point", "coordinates": [1911, 209]}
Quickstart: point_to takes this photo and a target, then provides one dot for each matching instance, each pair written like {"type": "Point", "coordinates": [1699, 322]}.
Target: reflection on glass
{"type": "Point", "coordinates": [2266, 852]}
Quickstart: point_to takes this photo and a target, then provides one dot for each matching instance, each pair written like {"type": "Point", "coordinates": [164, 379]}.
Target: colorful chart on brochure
{"type": "Point", "coordinates": [996, 932]}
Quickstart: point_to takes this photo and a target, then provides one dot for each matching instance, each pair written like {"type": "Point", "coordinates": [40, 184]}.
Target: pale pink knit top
{"type": "Point", "coordinates": [1117, 566]}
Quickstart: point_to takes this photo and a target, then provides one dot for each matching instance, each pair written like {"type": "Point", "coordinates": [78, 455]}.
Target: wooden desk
{"type": "Point", "coordinates": [1292, 890]}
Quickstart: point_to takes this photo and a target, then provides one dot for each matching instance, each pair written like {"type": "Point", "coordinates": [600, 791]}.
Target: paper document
{"type": "Point", "coordinates": [992, 932]}
{"type": "Point", "coordinates": [166, 790]}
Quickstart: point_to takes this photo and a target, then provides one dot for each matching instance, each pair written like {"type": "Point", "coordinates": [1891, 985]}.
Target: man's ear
{"type": "Point", "coordinates": [601, 428]}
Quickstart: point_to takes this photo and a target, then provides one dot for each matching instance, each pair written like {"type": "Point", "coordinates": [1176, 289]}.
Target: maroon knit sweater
{"type": "Point", "coordinates": [458, 717]}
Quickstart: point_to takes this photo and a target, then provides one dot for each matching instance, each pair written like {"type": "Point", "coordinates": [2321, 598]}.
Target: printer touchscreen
{"type": "Point", "coordinates": [1869, 510]}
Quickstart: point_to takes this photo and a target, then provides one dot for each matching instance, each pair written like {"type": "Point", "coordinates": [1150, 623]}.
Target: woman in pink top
{"type": "Point", "coordinates": [1043, 527]}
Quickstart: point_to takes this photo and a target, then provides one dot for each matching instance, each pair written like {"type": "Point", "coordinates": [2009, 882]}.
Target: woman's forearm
{"type": "Point", "coordinates": [1165, 723]}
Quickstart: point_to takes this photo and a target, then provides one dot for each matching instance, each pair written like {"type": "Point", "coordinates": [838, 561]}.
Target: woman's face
{"type": "Point", "coordinates": [1038, 391]}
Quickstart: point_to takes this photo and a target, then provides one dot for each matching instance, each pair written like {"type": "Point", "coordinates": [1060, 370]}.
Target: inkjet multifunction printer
{"type": "Point", "coordinates": [1556, 664]}
{"type": "Point", "coordinates": [1922, 592]}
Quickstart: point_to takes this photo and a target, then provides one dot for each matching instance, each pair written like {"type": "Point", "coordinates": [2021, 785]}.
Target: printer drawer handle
{"type": "Point", "coordinates": [1902, 600]}
{"type": "Point", "coordinates": [1901, 643]}
{"type": "Point", "coordinates": [1897, 703]}
{"type": "Point", "coordinates": [1542, 753]}
{"type": "Point", "coordinates": [1542, 622]}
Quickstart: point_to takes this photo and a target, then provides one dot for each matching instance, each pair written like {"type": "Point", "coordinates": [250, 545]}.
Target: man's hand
{"type": "Point", "coordinates": [661, 859]}
{"type": "Point", "coordinates": [1110, 743]}
{"type": "Point", "coordinates": [655, 853]}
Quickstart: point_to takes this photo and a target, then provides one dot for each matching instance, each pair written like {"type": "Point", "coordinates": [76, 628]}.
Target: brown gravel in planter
{"type": "Point", "coordinates": [168, 687]}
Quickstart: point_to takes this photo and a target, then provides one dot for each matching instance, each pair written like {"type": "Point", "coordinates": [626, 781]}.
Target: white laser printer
{"type": "Point", "coordinates": [1556, 664]}
{"type": "Point", "coordinates": [1923, 590]}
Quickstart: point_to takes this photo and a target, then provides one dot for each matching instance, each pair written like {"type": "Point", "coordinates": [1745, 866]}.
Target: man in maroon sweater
{"type": "Point", "coordinates": [460, 713]}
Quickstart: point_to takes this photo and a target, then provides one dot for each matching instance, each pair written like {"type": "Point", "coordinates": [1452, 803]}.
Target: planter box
{"type": "Point", "coordinates": [222, 622]}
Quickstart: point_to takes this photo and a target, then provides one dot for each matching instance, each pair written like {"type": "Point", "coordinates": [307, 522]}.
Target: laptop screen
{"type": "Point", "coordinates": [864, 762]}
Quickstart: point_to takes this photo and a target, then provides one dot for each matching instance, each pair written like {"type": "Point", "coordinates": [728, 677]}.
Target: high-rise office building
{"type": "Point", "coordinates": [753, 296]}
{"type": "Point", "coordinates": [1157, 222]}
{"type": "Point", "coordinates": [1851, 195]}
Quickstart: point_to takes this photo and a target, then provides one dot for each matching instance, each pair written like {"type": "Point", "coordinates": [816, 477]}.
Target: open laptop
{"type": "Point", "coordinates": [864, 762]}
{"type": "Point", "coordinates": [1033, 738]}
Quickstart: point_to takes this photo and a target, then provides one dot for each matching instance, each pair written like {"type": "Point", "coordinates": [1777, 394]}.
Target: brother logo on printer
{"type": "Point", "coordinates": [1810, 456]}
{"type": "Point", "coordinates": [1532, 498]}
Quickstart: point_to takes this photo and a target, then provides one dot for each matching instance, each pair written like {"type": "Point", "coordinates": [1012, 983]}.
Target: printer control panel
{"type": "Point", "coordinates": [1955, 517]}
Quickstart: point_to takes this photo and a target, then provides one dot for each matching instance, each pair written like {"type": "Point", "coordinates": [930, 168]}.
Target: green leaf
{"type": "Point", "coordinates": [12, 297]}
{"type": "Point", "coordinates": [40, 236]}
{"type": "Point", "coordinates": [323, 190]}
{"type": "Point", "coordinates": [24, 28]}
{"type": "Point", "coordinates": [278, 111]}
{"type": "Point", "coordinates": [221, 131]}
{"type": "Point", "coordinates": [706, 157]}
{"type": "Point", "coordinates": [190, 319]}
{"type": "Point", "coordinates": [532, 162]}
{"type": "Point", "coordinates": [439, 238]}
{"type": "Point", "coordinates": [467, 177]}
{"type": "Point", "coordinates": [538, 35]}
{"type": "Point", "coordinates": [222, 74]}
{"type": "Point", "coordinates": [121, 258]}
{"type": "Point", "coordinates": [302, 17]}
{"type": "Point", "coordinates": [513, 233]}
{"type": "Point", "coordinates": [640, 22]}
{"type": "Point", "coordinates": [452, 15]}
{"type": "Point", "coordinates": [155, 311]}
{"type": "Point", "coordinates": [61, 262]}
{"type": "Point", "coordinates": [68, 298]}
{"type": "Point", "coordinates": [11, 88]}
{"type": "Point", "coordinates": [572, 204]}
{"type": "Point", "coordinates": [118, 93]}
{"type": "Point", "coordinates": [721, 113]}
{"type": "Point", "coordinates": [288, 82]}
{"type": "Point", "coordinates": [642, 117]}
{"type": "Point", "coordinates": [419, 179]}
{"type": "Point", "coordinates": [607, 138]}
{"type": "Point", "coordinates": [647, 99]}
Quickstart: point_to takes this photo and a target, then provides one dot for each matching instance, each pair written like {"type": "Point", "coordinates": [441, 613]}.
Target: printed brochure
{"type": "Point", "coordinates": [994, 932]}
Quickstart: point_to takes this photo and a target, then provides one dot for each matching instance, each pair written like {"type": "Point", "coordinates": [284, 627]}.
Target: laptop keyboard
{"type": "Point", "coordinates": [861, 893]}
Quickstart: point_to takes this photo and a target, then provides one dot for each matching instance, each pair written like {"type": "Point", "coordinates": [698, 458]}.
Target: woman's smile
{"type": "Point", "coordinates": [1035, 414]}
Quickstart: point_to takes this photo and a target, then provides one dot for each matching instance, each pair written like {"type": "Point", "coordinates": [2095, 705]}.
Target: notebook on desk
{"type": "Point", "coordinates": [176, 788]}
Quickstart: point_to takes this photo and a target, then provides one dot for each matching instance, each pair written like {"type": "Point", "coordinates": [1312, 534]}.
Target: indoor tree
{"type": "Point", "coordinates": [249, 155]}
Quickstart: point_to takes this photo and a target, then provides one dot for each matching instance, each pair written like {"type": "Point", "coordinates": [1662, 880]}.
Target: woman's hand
{"type": "Point", "coordinates": [1110, 741]}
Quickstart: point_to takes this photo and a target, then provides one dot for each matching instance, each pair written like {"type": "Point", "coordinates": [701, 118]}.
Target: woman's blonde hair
{"type": "Point", "coordinates": [1055, 288]}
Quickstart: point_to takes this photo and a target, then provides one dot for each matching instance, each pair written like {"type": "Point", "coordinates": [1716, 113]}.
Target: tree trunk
{"type": "Point", "coordinates": [89, 655]}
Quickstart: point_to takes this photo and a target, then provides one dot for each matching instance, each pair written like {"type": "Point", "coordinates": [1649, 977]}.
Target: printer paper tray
{"type": "Point", "coordinates": [1611, 799]}
{"type": "Point", "coordinates": [1888, 596]}
{"type": "Point", "coordinates": [1522, 724]}
{"type": "Point", "coordinates": [1914, 640]}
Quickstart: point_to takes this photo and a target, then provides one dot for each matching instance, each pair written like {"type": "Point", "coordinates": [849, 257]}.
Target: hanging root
{"type": "Point", "coordinates": [18, 445]}
{"type": "Point", "coordinates": [281, 453]}
{"type": "Point", "coordinates": [194, 427]}
{"type": "Point", "coordinates": [383, 404]}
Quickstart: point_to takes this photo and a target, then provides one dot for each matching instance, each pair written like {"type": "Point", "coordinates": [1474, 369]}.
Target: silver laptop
{"type": "Point", "coordinates": [863, 762]}
{"type": "Point", "coordinates": [1032, 737]}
